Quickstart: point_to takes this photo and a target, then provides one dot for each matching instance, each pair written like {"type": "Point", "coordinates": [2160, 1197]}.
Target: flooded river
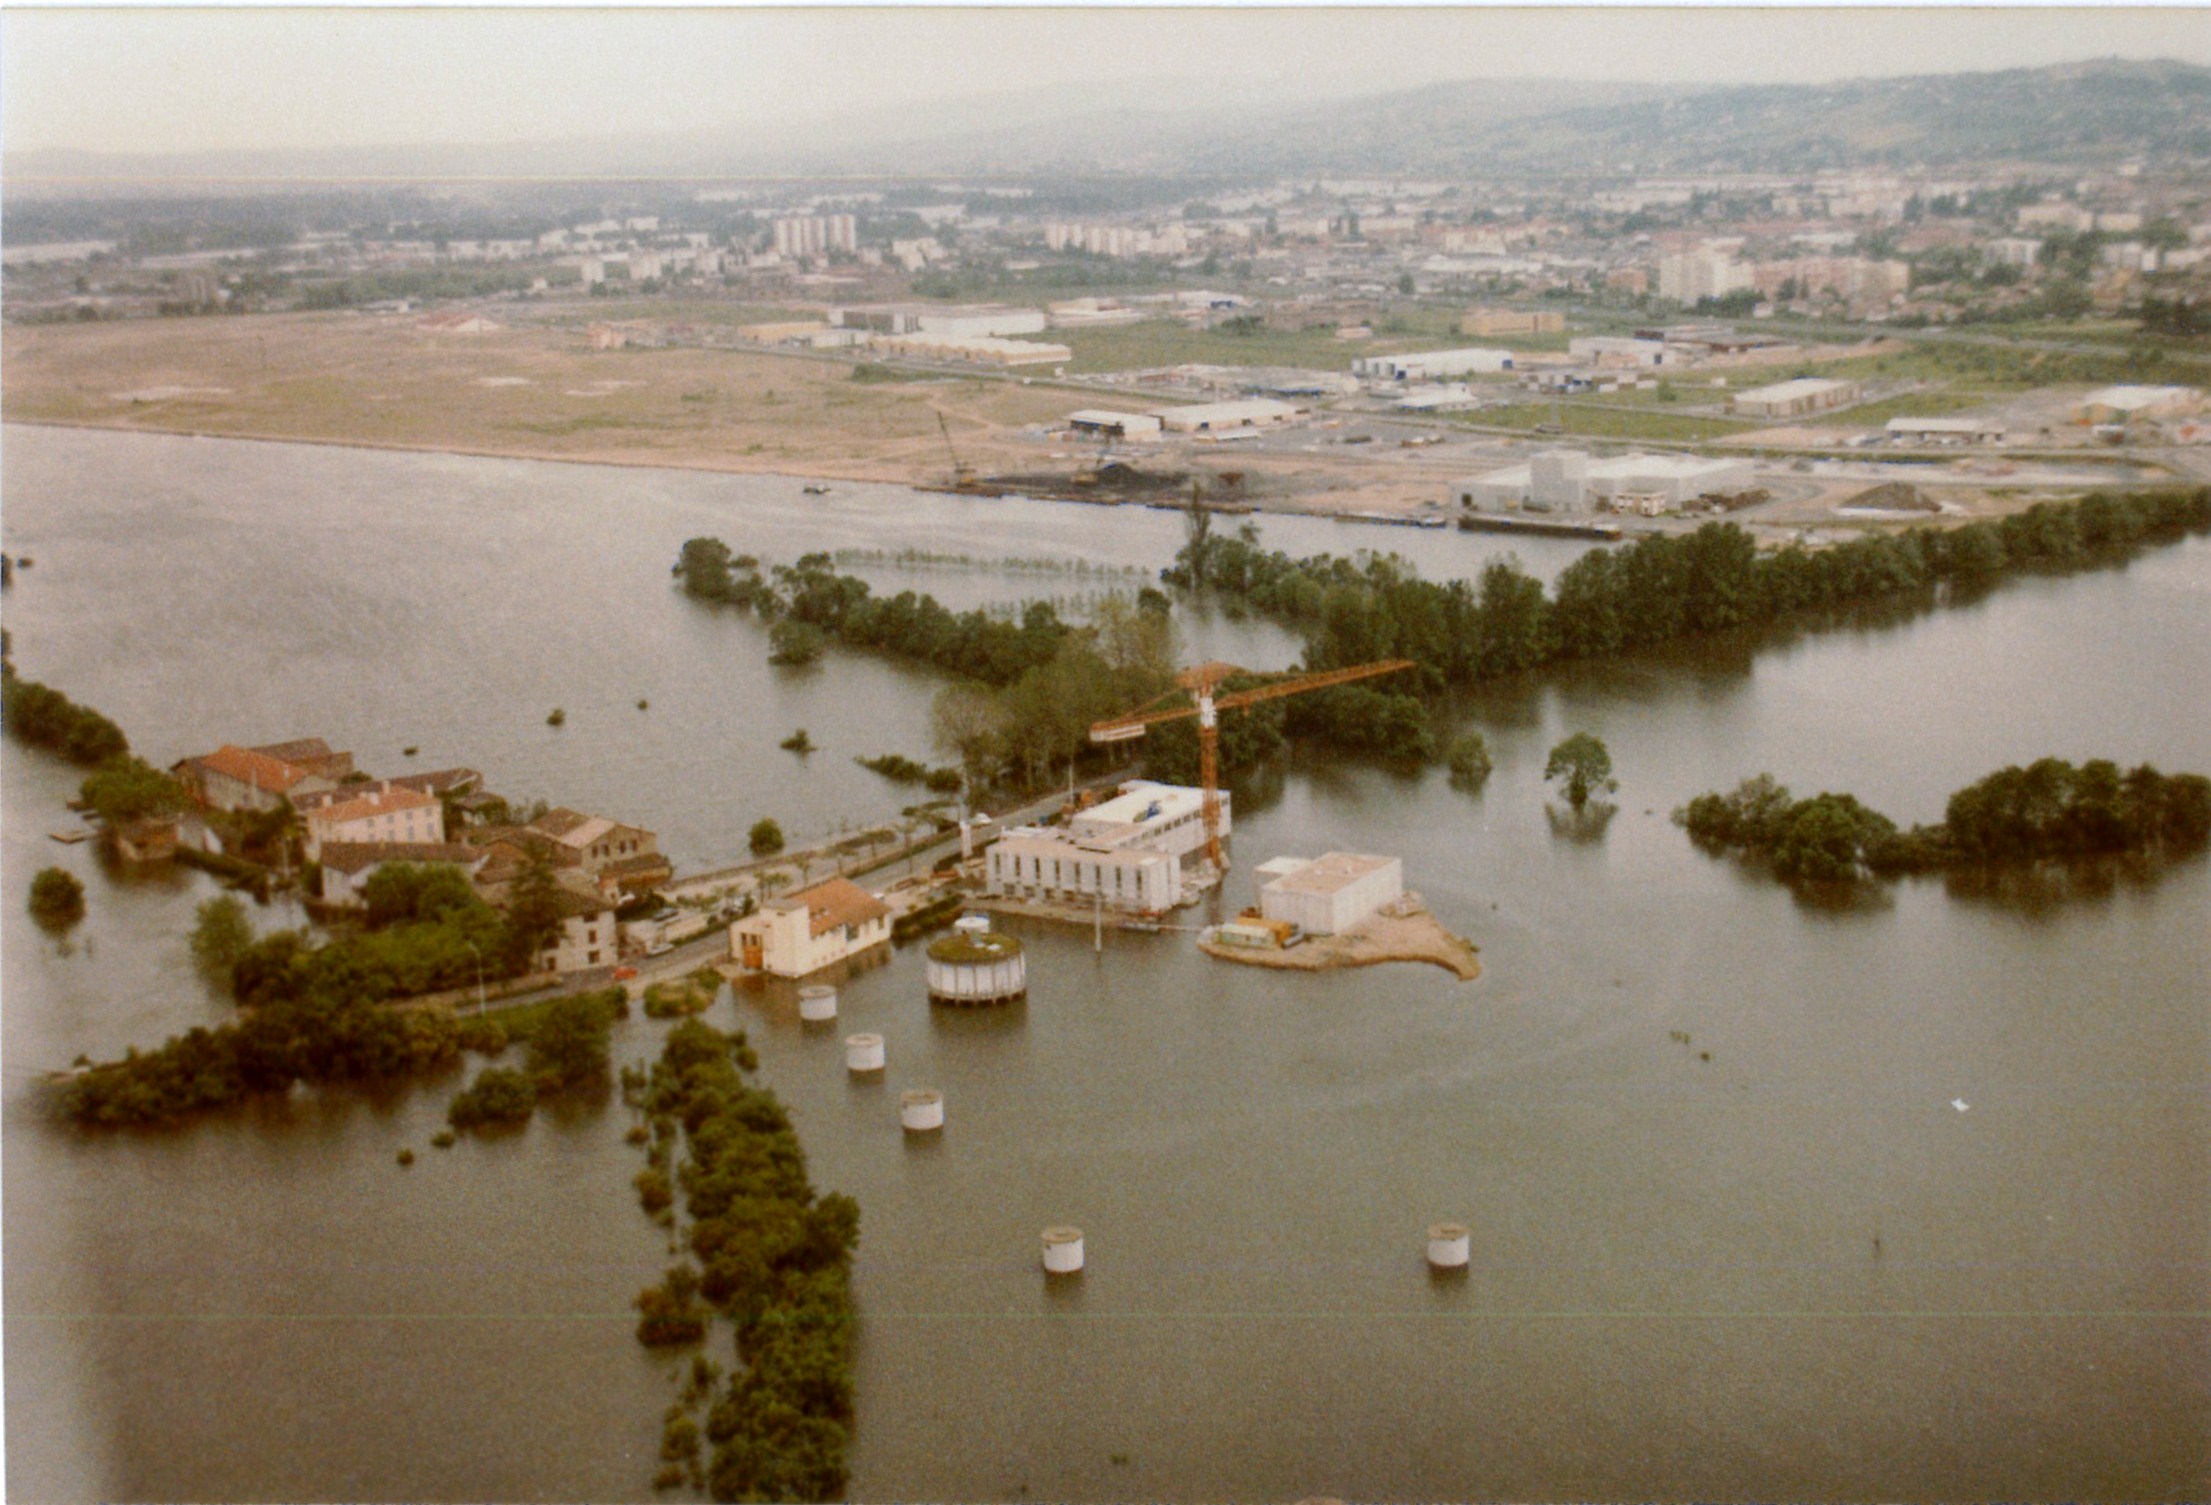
{"type": "Point", "coordinates": [1676, 1289]}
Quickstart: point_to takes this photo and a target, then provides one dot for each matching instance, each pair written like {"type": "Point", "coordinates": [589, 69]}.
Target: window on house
{"type": "Point", "coordinates": [593, 958]}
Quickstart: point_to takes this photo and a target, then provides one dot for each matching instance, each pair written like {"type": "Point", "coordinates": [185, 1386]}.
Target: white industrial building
{"type": "Point", "coordinates": [980, 321]}
{"type": "Point", "coordinates": [1947, 430]}
{"type": "Point", "coordinates": [1225, 417]}
{"type": "Point", "coordinates": [1115, 425]}
{"type": "Point", "coordinates": [1127, 853]}
{"type": "Point", "coordinates": [1329, 894]}
{"type": "Point", "coordinates": [1443, 397]}
{"type": "Point", "coordinates": [1791, 399]}
{"type": "Point", "coordinates": [1432, 365]}
{"type": "Point", "coordinates": [2129, 403]}
{"type": "Point", "coordinates": [1570, 481]}
{"type": "Point", "coordinates": [1166, 818]}
{"type": "Point", "coordinates": [1617, 350]}
{"type": "Point", "coordinates": [982, 349]}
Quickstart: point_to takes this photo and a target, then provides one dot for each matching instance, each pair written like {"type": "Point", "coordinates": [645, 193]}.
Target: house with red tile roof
{"type": "Point", "coordinates": [816, 927]}
{"type": "Point", "coordinates": [373, 812]}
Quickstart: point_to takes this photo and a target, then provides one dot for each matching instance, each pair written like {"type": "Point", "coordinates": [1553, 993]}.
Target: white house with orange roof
{"type": "Point", "coordinates": [372, 813]}
{"type": "Point", "coordinates": [807, 931]}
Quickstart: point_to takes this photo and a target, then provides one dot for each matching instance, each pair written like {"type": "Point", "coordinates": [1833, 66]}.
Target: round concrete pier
{"type": "Point", "coordinates": [1450, 1246]}
{"type": "Point", "coordinates": [863, 1053]}
{"type": "Point", "coordinates": [921, 1111]}
{"type": "Point", "coordinates": [817, 1003]}
{"type": "Point", "coordinates": [1063, 1251]}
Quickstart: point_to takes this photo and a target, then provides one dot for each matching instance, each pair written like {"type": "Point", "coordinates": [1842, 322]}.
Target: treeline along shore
{"type": "Point", "coordinates": [1030, 687]}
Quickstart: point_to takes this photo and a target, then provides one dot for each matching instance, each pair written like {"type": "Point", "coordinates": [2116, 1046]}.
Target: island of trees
{"type": "Point", "coordinates": [2047, 810]}
{"type": "Point", "coordinates": [773, 1257]}
{"type": "Point", "coordinates": [319, 1013]}
{"type": "Point", "coordinates": [1029, 687]}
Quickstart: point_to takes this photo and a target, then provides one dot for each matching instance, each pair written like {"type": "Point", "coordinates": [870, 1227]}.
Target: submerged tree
{"type": "Point", "coordinates": [1583, 762]}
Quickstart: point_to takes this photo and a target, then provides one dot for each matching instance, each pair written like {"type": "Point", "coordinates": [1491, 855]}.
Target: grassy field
{"type": "Point", "coordinates": [1583, 422]}
{"type": "Point", "coordinates": [352, 378]}
{"type": "Point", "coordinates": [1937, 403]}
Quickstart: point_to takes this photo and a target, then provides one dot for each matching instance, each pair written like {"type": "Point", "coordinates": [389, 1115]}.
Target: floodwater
{"type": "Point", "coordinates": [1792, 1269]}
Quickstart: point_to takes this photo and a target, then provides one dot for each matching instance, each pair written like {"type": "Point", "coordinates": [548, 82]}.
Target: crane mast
{"type": "Point", "coordinates": [1202, 683]}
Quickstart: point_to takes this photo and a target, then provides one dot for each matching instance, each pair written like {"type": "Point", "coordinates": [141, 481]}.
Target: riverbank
{"type": "Point", "coordinates": [1413, 935]}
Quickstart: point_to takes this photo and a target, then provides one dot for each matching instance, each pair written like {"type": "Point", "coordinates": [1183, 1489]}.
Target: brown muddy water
{"type": "Point", "coordinates": [1675, 1288]}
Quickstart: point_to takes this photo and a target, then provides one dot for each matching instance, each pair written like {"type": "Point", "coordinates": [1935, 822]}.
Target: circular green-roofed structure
{"type": "Point", "coordinates": [975, 966]}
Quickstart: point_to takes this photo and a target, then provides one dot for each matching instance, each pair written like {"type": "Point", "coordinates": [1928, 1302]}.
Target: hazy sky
{"type": "Point", "coordinates": [159, 80]}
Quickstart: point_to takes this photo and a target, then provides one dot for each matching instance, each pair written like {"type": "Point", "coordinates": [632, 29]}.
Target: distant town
{"type": "Point", "coordinates": [1831, 349]}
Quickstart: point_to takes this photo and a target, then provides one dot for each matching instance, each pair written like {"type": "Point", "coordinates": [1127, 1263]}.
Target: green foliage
{"type": "Point", "coordinates": [669, 1314]}
{"type": "Point", "coordinates": [57, 899]}
{"type": "Point", "coordinates": [407, 893]}
{"type": "Point", "coordinates": [1468, 760]}
{"type": "Point", "coordinates": [533, 915]}
{"type": "Point", "coordinates": [559, 717]}
{"type": "Point", "coordinates": [797, 742]}
{"type": "Point", "coordinates": [47, 718]}
{"type": "Point", "coordinates": [791, 641]}
{"type": "Point", "coordinates": [775, 1258]}
{"type": "Point", "coordinates": [1650, 593]}
{"type": "Point", "coordinates": [499, 1095]}
{"type": "Point", "coordinates": [683, 997]}
{"type": "Point", "coordinates": [765, 838]}
{"type": "Point", "coordinates": [1585, 764]}
{"type": "Point", "coordinates": [2049, 810]}
{"type": "Point", "coordinates": [221, 935]}
{"type": "Point", "coordinates": [406, 958]}
{"type": "Point", "coordinates": [903, 770]}
{"type": "Point", "coordinates": [265, 1052]}
{"type": "Point", "coordinates": [568, 1048]}
{"type": "Point", "coordinates": [128, 788]}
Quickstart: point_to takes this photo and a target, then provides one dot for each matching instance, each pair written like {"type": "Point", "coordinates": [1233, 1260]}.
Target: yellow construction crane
{"type": "Point", "coordinates": [1202, 683]}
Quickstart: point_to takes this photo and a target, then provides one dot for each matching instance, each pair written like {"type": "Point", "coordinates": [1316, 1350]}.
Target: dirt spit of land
{"type": "Point", "coordinates": [1411, 934]}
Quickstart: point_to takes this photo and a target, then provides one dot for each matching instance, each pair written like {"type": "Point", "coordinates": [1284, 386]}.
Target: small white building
{"type": "Point", "coordinates": [1329, 894]}
{"type": "Point", "coordinates": [1432, 365]}
{"type": "Point", "coordinates": [804, 932]}
{"type": "Point", "coordinates": [586, 937]}
{"type": "Point", "coordinates": [1227, 417]}
{"type": "Point", "coordinates": [1790, 399]}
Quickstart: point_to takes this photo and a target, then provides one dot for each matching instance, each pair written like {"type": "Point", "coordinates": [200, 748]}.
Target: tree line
{"type": "Point", "coordinates": [2047, 810]}
{"type": "Point", "coordinates": [1620, 600]}
{"type": "Point", "coordinates": [809, 602]}
{"type": "Point", "coordinates": [773, 1256]}
{"type": "Point", "coordinates": [44, 717]}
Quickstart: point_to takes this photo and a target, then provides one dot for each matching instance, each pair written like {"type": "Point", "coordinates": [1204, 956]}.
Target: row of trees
{"type": "Point", "coordinates": [774, 1257]}
{"type": "Point", "coordinates": [809, 604]}
{"type": "Point", "coordinates": [2048, 810]}
{"type": "Point", "coordinates": [44, 717]}
{"type": "Point", "coordinates": [1650, 593]}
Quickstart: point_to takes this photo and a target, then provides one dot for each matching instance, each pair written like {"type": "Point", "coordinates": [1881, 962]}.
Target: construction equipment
{"type": "Point", "coordinates": [1202, 683]}
{"type": "Point", "coordinates": [963, 476]}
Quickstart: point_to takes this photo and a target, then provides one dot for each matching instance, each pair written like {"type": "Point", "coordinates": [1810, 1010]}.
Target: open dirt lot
{"type": "Point", "coordinates": [541, 391]}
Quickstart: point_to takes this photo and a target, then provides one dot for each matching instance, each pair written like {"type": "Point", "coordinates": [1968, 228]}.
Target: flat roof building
{"type": "Point", "coordinates": [1221, 417]}
{"type": "Point", "coordinates": [2127, 403]}
{"type": "Point", "coordinates": [1331, 893]}
{"type": "Point", "coordinates": [1555, 482]}
{"type": "Point", "coordinates": [1432, 365]}
{"type": "Point", "coordinates": [1789, 399]}
{"type": "Point", "coordinates": [1118, 425]}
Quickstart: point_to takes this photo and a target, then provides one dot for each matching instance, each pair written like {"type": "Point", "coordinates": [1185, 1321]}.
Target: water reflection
{"type": "Point", "coordinates": [1584, 826]}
